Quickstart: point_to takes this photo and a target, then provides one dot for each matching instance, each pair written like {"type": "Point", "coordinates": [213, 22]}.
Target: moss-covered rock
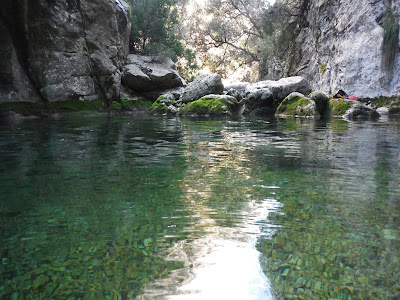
{"type": "Point", "coordinates": [351, 109]}
{"type": "Point", "coordinates": [131, 104]}
{"type": "Point", "coordinates": [165, 104]}
{"type": "Point", "coordinates": [297, 105]}
{"type": "Point", "coordinates": [338, 107]}
{"type": "Point", "coordinates": [212, 105]}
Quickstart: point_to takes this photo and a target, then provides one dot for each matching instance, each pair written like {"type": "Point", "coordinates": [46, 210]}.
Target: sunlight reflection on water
{"type": "Point", "coordinates": [226, 263]}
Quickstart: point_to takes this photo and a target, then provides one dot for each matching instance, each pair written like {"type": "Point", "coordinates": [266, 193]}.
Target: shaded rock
{"type": "Point", "coordinates": [283, 87]}
{"type": "Point", "coordinates": [321, 100]}
{"type": "Point", "coordinates": [215, 105]}
{"type": "Point", "coordinates": [203, 85]}
{"type": "Point", "coordinates": [69, 50]}
{"type": "Point", "coordinates": [360, 110]}
{"type": "Point", "coordinates": [151, 74]}
{"type": "Point", "coordinates": [259, 100]}
{"type": "Point", "coordinates": [394, 108]}
{"type": "Point", "coordinates": [14, 82]}
{"type": "Point", "coordinates": [297, 105]}
{"type": "Point", "coordinates": [235, 93]}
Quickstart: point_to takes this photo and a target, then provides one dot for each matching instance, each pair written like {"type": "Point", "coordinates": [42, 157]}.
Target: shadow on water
{"type": "Point", "coordinates": [158, 208]}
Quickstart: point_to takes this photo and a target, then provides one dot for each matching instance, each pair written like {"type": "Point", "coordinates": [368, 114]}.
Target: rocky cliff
{"type": "Point", "coordinates": [341, 47]}
{"type": "Point", "coordinates": [54, 50]}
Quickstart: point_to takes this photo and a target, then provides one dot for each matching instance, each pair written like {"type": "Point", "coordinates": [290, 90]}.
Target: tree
{"type": "Point", "coordinates": [153, 28]}
{"type": "Point", "coordinates": [226, 33]}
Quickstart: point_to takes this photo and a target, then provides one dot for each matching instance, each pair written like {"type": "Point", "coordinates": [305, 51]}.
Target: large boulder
{"type": "Point", "coordinates": [297, 105]}
{"type": "Point", "coordinates": [203, 85]}
{"type": "Point", "coordinates": [145, 74]}
{"type": "Point", "coordinates": [283, 87]}
{"type": "Point", "coordinates": [64, 50]}
{"type": "Point", "coordinates": [259, 101]}
{"type": "Point", "coordinates": [212, 105]}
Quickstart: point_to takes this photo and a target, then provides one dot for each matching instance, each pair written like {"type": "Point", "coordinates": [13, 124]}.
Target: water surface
{"type": "Point", "coordinates": [157, 208]}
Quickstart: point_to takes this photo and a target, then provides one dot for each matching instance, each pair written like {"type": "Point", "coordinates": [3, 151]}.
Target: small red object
{"type": "Point", "coordinates": [353, 98]}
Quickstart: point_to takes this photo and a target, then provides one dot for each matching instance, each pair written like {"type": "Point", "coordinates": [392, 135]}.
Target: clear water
{"type": "Point", "coordinates": [156, 208]}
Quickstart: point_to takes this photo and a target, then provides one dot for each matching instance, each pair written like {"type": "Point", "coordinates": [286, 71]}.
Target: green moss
{"type": "Point", "coordinates": [213, 106]}
{"type": "Point", "coordinates": [140, 103]}
{"type": "Point", "coordinates": [77, 106]}
{"type": "Point", "coordinates": [158, 106]}
{"type": "Point", "coordinates": [379, 101]}
{"type": "Point", "coordinates": [28, 108]}
{"type": "Point", "coordinates": [322, 69]}
{"type": "Point", "coordinates": [339, 106]}
{"type": "Point", "coordinates": [294, 106]}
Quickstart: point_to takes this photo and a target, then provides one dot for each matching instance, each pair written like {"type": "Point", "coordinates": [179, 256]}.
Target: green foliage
{"type": "Point", "coordinates": [187, 65]}
{"type": "Point", "coordinates": [390, 45]}
{"type": "Point", "coordinates": [154, 28]}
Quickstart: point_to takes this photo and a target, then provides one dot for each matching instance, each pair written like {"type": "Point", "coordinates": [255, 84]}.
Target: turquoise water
{"type": "Point", "coordinates": [157, 208]}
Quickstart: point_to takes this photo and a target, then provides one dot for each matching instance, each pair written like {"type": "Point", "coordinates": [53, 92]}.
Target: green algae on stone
{"type": "Point", "coordinates": [212, 105]}
{"type": "Point", "coordinates": [339, 107]}
{"type": "Point", "coordinates": [297, 105]}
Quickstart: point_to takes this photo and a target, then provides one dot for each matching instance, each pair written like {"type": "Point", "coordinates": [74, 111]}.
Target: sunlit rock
{"type": "Point", "coordinates": [203, 85]}
{"type": "Point", "coordinates": [283, 87]}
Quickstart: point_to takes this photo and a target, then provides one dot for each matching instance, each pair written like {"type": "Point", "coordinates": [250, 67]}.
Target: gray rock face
{"type": "Point", "coordinates": [67, 50]}
{"type": "Point", "coordinates": [151, 74]}
{"type": "Point", "coordinates": [14, 83]}
{"type": "Point", "coordinates": [203, 85]}
{"type": "Point", "coordinates": [341, 48]}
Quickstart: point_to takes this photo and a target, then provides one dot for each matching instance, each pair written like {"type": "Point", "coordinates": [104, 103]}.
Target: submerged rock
{"type": "Point", "coordinates": [203, 85]}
